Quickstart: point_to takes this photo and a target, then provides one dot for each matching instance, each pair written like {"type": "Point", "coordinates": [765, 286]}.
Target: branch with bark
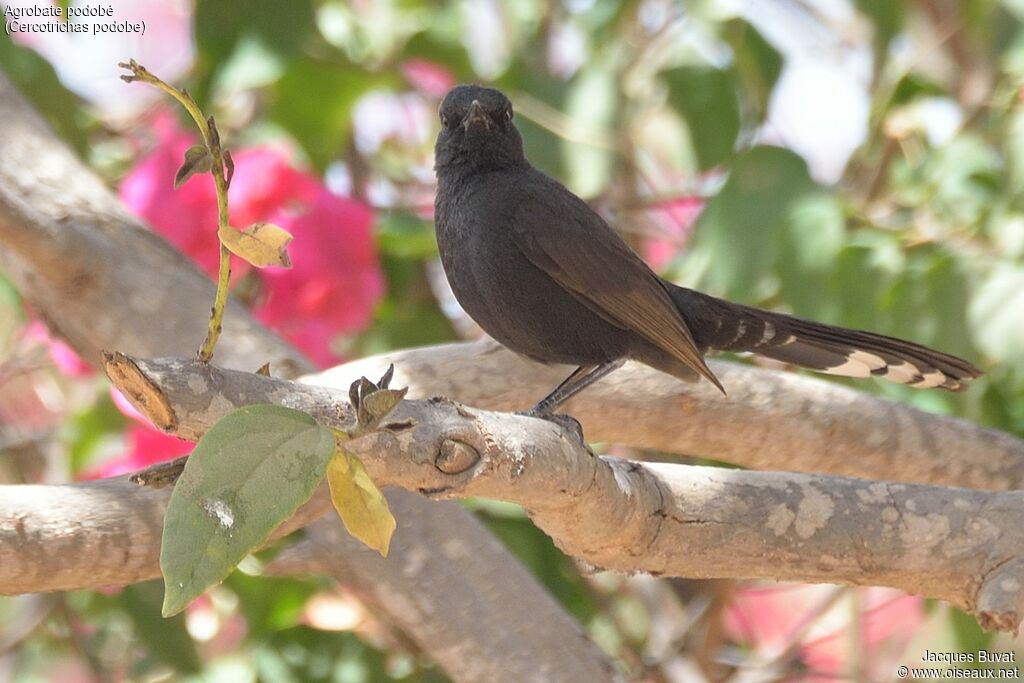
{"type": "Point", "coordinates": [769, 421]}
{"type": "Point", "coordinates": [956, 544]}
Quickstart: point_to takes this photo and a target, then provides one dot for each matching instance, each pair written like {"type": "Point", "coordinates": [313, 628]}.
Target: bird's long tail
{"type": "Point", "coordinates": [721, 325]}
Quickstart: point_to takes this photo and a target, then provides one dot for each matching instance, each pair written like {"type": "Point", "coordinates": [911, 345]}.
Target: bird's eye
{"type": "Point", "coordinates": [444, 120]}
{"type": "Point", "coordinates": [508, 114]}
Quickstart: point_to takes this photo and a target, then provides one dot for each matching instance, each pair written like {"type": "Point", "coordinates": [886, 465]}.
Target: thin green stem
{"type": "Point", "coordinates": [211, 140]}
{"type": "Point", "coordinates": [220, 302]}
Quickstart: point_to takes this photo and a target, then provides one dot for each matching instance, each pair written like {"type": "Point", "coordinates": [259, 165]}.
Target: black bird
{"type": "Point", "coordinates": [548, 278]}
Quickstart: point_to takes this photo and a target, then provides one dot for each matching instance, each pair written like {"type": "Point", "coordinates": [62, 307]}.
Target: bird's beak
{"type": "Point", "coordinates": [476, 116]}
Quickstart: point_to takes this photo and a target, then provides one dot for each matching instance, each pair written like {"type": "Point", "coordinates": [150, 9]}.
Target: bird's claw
{"type": "Point", "coordinates": [566, 422]}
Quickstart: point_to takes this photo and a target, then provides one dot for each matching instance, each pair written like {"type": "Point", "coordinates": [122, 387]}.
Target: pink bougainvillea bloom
{"type": "Point", "coordinates": [335, 280]}
{"type": "Point", "coordinates": [769, 618]}
{"type": "Point", "coordinates": [145, 446]}
{"type": "Point", "coordinates": [264, 183]}
{"type": "Point", "coordinates": [427, 76]}
{"type": "Point", "coordinates": [63, 356]}
{"type": "Point", "coordinates": [126, 407]}
{"type": "Point", "coordinates": [675, 218]}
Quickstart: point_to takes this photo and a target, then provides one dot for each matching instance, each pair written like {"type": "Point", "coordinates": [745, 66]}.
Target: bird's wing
{"type": "Point", "coordinates": [563, 236]}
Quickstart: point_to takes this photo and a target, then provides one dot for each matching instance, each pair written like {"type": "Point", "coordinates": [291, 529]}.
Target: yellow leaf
{"type": "Point", "coordinates": [360, 504]}
{"type": "Point", "coordinates": [261, 244]}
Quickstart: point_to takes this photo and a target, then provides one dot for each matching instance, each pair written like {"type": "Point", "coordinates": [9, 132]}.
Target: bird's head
{"type": "Point", "coordinates": [477, 132]}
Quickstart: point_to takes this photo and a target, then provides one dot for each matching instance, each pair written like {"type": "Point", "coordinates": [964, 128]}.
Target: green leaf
{"type": "Point", "coordinates": [706, 98]}
{"type": "Point", "coordinates": [817, 230]}
{"type": "Point", "coordinates": [996, 312]}
{"type": "Point", "coordinates": [757, 63]}
{"type": "Point", "coordinates": [246, 475]}
{"type": "Point", "coordinates": [946, 307]}
{"type": "Point", "coordinates": [810, 246]}
{"type": "Point", "coordinates": [739, 235]}
{"type": "Point", "coordinates": [865, 271]}
{"type": "Point", "coordinates": [360, 504]}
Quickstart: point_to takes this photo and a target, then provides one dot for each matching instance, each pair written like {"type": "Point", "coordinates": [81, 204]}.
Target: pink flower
{"type": "Point", "coordinates": [63, 356]}
{"type": "Point", "coordinates": [126, 407]}
{"type": "Point", "coordinates": [265, 182]}
{"type": "Point", "coordinates": [146, 446]}
{"type": "Point", "coordinates": [769, 619]}
{"type": "Point", "coordinates": [335, 281]}
{"type": "Point", "coordinates": [427, 76]}
{"type": "Point", "coordinates": [676, 219]}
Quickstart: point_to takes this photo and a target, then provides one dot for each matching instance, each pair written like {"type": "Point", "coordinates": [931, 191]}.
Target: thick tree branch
{"type": "Point", "coordinates": [92, 534]}
{"type": "Point", "coordinates": [106, 282]}
{"type": "Point", "coordinates": [468, 370]}
{"type": "Point", "coordinates": [956, 544]}
{"type": "Point", "coordinates": [769, 421]}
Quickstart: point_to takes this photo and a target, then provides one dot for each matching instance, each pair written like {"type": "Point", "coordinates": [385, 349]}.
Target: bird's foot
{"type": "Point", "coordinates": [566, 422]}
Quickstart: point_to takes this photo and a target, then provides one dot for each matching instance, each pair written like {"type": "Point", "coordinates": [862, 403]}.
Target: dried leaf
{"type": "Point", "coordinates": [197, 160]}
{"type": "Point", "coordinates": [261, 244]}
{"type": "Point", "coordinates": [378, 404]}
{"type": "Point", "coordinates": [229, 163]}
{"type": "Point", "coordinates": [360, 504]}
{"type": "Point", "coordinates": [385, 381]}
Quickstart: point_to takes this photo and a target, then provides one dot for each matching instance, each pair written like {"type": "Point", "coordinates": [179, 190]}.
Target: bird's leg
{"type": "Point", "coordinates": [581, 378]}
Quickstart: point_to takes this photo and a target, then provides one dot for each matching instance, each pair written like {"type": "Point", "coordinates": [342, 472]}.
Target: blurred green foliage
{"type": "Point", "coordinates": [920, 238]}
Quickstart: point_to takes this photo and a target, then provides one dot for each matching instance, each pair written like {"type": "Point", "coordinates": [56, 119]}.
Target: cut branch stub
{"type": "Point", "coordinates": [140, 390]}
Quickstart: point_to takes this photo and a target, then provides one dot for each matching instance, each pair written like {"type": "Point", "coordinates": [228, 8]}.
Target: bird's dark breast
{"type": "Point", "coordinates": [514, 301]}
